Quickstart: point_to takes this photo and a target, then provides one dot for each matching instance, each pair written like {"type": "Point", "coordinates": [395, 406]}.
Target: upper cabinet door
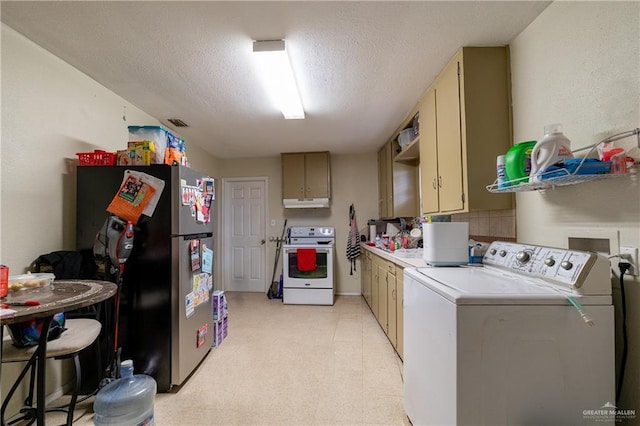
{"type": "Point", "coordinates": [293, 176]}
{"type": "Point", "coordinates": [382, 182]}
{"type": "Point", "coordinates": [305, 175]}
{"type": "Point", "coordinates": [428, 155]}
{"type": "Point", "coordinates": [450, 178]}
{"type": "Point", "coordinates": [385, 181]}
{"type": "Point", "coordinates": [317, 175]}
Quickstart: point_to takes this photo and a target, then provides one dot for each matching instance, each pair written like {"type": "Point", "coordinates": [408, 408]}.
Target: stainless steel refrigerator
{"type": "Point", "coordinates": [159, 329]}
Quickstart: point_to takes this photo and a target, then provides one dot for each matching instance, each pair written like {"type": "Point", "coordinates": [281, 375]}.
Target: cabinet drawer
{"type": "Point", "coordinates": [390, 267]}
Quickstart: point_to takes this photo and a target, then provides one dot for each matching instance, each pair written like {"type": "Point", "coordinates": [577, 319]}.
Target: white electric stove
{"type": "Point", "coordinates": [304, 283]}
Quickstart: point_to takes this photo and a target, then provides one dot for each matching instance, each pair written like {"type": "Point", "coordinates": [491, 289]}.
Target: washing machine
{"type": "Point", "coordinates": [525, 339]}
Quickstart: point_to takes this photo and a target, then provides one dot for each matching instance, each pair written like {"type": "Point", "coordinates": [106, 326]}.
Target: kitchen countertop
{"type": "Point", "coordinates": [405, 262]}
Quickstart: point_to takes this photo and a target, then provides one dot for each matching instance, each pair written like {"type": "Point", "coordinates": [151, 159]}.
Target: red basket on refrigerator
{"type": "Point", "coordinates": [96, 158]}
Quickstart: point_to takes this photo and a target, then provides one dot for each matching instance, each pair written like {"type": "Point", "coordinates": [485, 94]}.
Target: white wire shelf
{"type": "Point", "coordinates": [553, 182]}
{"type": "Point", "coordinates": [563, 177]}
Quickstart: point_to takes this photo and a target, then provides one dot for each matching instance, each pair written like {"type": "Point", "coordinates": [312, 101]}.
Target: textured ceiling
{"type": "Point", "coordinates": [361, 66]}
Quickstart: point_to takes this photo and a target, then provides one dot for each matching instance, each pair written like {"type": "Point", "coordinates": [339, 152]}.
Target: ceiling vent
{"type": "Point", "coordinates": [177, 122]}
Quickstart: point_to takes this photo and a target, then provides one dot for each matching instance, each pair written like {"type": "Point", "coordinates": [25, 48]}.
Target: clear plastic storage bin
{"type": "Point", "coordinates": [405, 137]}
{"type": "Point", "coordinates": [161, 137]}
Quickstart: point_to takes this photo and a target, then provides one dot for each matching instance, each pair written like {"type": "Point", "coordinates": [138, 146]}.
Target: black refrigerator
{"type": "Point", "coordinates": [165, 320]}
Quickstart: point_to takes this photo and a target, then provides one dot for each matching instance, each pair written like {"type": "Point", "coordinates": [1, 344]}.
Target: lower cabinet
{"type": "Point", "coordinates": [392, 309]}
{"type": "Point", "coordinates": [382, 288]}
{"type": "Point", "coordinates": [375, 272]}
{"type": "Point", "coordinates": [383, 306]}
{"type": "Point", "coordinates": [366, 276]}
{"type": "Point", "coordinates": [400, 311]}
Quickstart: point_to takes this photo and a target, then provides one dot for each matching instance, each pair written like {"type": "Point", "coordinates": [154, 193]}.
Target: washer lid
{"type": "Point", "coordinates": [485, 286]}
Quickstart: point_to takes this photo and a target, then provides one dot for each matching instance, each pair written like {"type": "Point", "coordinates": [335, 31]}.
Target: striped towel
{"type": "Point", "coordinates": [353, 241]}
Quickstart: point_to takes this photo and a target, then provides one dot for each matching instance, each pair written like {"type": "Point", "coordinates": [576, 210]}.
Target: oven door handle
{"type": "Point", "coordinates": [294, 249]}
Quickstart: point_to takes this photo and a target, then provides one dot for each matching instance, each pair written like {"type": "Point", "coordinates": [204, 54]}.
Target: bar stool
{"type": "Point", "coordinates": [79, 334]}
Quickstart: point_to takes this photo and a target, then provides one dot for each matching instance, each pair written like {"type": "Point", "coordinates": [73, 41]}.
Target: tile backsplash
{"type": "Point", "coordinates": [489, 225]}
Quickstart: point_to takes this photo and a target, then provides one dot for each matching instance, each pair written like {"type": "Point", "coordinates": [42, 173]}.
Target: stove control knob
{"type": "Point", "coordinates": [503, 253]}
{"type": "Point", "coordinates": [549, 261]}
{"type": "Point", "coordinates": [493, 251]}
{"type": "Point", "coordinates": [523, 256]}
{"type": "Point", "coordinates": [566, 265]}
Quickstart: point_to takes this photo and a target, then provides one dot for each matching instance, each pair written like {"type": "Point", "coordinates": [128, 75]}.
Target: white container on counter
{"type": "Point", "coordinates": [446, 243]}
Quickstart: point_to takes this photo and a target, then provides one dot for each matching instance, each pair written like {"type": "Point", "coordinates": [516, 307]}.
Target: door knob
{"type": "Point", "coordinates": [262, 242]}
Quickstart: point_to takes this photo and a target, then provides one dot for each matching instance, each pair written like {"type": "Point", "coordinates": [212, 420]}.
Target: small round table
{"type": "Point", "coordinates": [62, 296]}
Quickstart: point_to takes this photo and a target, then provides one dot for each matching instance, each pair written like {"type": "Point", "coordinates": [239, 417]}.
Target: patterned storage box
{"type": "Point", "coordinates": [219, 305]}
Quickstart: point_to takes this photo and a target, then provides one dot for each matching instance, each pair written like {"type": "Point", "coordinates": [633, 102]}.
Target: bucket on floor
{"type": "Point", "coordinates": [127, 401]}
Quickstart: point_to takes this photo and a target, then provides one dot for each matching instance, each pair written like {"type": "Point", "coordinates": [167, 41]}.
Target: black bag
{"type": "Point", "coordinates": [64, 264]}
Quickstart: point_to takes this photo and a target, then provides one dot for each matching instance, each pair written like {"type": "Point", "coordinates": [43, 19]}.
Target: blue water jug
{"type": "Point", "coordinates": [127, 401]}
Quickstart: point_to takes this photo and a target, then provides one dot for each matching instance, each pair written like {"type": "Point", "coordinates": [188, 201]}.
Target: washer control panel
{"type": "Point", "coordinates": [568, 267]}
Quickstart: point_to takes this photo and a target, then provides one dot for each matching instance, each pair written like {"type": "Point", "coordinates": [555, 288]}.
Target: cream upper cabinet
{"type": "Point", "coordinates": [465, 124]}
{"type": "Point", "coordinates": [305, 175]}
{"type": "Point", "coordinates": [293, 179]}
{"type": "Point", "coordinates": [317, 174]}
{"type": "Point", "coordinates": [397, 185]}
{"type": "Point", "coordinates": [385, 181]}
{"type": "Point", "coordinates": [448, 138]}
{"type": "Point", "coordinates": [428, 154]}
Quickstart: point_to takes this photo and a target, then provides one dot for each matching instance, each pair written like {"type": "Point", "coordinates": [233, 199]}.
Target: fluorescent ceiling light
{"type": "Point", "coordinates": [277, 75]}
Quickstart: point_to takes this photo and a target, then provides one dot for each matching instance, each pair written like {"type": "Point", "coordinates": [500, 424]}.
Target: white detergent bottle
{"type": "Point", "coordinates": [554, 147]}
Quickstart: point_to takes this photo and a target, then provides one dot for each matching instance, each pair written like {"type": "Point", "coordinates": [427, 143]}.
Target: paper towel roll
{"type": "Point", "coordinates": [372, 232]}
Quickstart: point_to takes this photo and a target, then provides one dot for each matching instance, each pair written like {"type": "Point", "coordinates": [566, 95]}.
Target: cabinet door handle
{"type": "Point", "coordinates": [393, 294]}
{"type": "Point", "coordinates": [439, 181]}
{"type": "Point", "coordinates": [434, 183]}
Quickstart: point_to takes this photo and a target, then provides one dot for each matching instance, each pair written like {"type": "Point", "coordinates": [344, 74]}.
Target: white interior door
{"type": "Point", "coordinates": [244, 225]}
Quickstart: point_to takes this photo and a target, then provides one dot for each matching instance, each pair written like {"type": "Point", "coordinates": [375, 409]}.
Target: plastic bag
{"type": "Point", "coordinates": [27, 333]}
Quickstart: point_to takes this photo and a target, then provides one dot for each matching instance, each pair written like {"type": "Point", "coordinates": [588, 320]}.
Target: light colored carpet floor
{"type": "Point", "coordinates": [287, 365]}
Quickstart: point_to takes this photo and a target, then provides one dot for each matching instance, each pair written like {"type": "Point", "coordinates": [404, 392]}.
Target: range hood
{"type": "Point", "coordinates": [305, 203]}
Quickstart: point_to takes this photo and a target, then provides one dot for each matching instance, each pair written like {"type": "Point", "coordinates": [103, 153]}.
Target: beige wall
{"type": "Point", "coordinates": [353, 180]}
{"type": "Point", "coordinates": [50, 111]}
{"type": "Point", "coordinates": [578, 64]}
